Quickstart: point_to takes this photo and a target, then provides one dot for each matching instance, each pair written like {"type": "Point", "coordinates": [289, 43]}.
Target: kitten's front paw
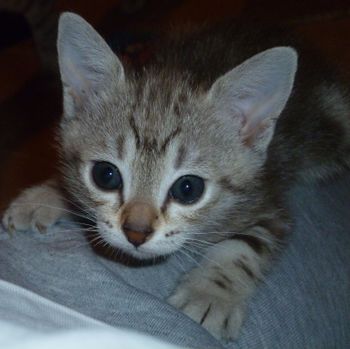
{"type": "Point", "coordinates": [36, 208]}
{"type": "Point", "coordinates": [210, 303]}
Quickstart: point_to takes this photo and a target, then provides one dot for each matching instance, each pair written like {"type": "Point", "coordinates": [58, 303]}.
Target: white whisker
{"type": "Point", "coordinates": [88, 210]}
{"type": "Point", "coordinates": [203, 256]}
{"type": "Point", "coordinates": [178, 260]}
{"type": "Point", "coordinates": [190, 257]}
{"type": "Point", "coordinates": [55, 208]}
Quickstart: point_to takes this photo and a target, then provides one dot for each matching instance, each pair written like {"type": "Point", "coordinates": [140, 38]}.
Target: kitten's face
{"type": "Point", "coordinates": [156, 162]}
{"type": "Point", "coordinates": [152, 167]}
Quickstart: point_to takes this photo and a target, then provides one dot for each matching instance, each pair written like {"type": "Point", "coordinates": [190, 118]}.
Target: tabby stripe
{"type": "Point", "coordinates": [205, 315]}
{"type": "Point", "coordinates": [149, 144]}
{"type": "Point", "coordinates": [225, 278]}
{"type": "Point", "coordinates": [135, 131]}
{"type": "Point", "coordinates": [181, 155]}
{"type": "Point", "coordinates": [244, 267]}
{"type": "Point", "coordinates": [220, 284]}
{"type": "Point", "coordinates": [256, 244]}
{"type": "Point", "coordinates": [120, 147]}
{"type": "Point", "coordinates": [169, 138]}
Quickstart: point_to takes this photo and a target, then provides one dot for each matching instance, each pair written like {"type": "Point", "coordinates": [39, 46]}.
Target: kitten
{"type": "Point", "coordinates": [198, 148]}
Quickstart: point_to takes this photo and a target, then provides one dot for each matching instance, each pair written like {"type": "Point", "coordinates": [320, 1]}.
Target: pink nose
{"type": "Point", "coordinates": [136, 235]}
{"type": "Point", "coordinates": [137, 222]}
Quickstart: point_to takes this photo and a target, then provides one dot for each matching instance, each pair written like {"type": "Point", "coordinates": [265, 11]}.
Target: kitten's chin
{"type": "Point", "coordinates": [149, 250]}
{"type": "Point", "coordinates": [146, 252]}
{"type": "Point", "coordinates": [143, 255]}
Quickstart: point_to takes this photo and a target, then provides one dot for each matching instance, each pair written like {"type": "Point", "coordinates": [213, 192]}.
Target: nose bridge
{"type": "Point", "coordinates": [139, 214]}
{"type": "Point", "coordinates": [145, 176]}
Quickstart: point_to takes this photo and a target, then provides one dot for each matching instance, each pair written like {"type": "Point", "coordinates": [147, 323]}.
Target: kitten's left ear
{"type": "Point", "coordinates": [88, 66]}
{"type": "Point", "coordinates": [256, 92]}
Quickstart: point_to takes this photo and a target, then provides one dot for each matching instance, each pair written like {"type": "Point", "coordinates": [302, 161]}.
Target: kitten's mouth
{"type": "Point", "coordinates": [123, 256]}
{"type": "Point", "coordinates": [150, 249]}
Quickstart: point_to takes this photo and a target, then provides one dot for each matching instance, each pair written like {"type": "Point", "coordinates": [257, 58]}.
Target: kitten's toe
{"type": "Point", "coordinates": [43, 218]}
{"type": "Point", "coordinates": [36, 208]}
{"type": "Point", "coordinates": [16, 218]}
{"type": "Point", "coordinates": [219, 314]}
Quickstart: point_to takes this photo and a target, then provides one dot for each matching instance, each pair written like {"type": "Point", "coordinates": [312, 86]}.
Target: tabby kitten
{"type": "Point", "coordinates": [197, 148]}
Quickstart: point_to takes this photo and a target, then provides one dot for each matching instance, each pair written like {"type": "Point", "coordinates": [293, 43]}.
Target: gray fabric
{"type": "Point", "coordinates": [26, 309]}
{"type": "Point", "coordinates": [24, 315]}
{"type": "Point", "coordinates": [28, 321]}
{"type": "Point", "coordinates": [304, 302]}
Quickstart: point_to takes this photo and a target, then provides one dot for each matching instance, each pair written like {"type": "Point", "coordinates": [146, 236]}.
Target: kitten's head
{"type": "Point", "coordinates": [155, 161]}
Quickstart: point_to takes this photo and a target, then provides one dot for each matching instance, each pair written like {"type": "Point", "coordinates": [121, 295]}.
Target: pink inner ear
{"type": "Point", "coordinates": [257, 117]}
{"type": "Point", "coordinates": [78, 102]}
{"type": "Point", "coordinates": [257, 91]}
{"type": "Point", "coordinates": [75, 79]}
{"type": "Point", "coordinates": [251, 134]}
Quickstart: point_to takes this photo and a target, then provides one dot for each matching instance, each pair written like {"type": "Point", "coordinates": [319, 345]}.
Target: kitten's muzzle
{"type": "Point", "coordinates": [137, 222]}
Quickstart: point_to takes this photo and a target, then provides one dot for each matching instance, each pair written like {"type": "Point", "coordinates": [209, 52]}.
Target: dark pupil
{"type": "Point", "coordinates": [106, 176]}
{"type": "Point", "coordinates": [186, 188]}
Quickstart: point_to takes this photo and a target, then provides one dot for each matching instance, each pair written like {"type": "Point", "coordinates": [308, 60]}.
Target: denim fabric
{"type": "Point", "coordinates": [304, 302]}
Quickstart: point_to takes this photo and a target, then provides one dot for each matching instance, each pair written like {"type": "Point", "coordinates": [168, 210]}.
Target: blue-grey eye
{"type": "Point", "coordinates": [106, 176]}
{"type": "Point", "coordinates": [187, 189]}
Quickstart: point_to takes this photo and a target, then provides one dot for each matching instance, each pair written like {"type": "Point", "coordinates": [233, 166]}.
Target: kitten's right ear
{"type": "Point", "coordinates": [87, 64]}
{"type": "Point", "coordinates": [255, 93]}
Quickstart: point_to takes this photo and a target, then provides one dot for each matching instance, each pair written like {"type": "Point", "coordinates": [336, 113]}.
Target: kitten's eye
{"type": "Point", "coordinates": [187, 189]}
{"type": "Point", "coordinates": [106, 176]}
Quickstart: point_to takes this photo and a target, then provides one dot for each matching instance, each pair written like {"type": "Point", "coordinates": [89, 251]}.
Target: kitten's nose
{"type": "Point", "coordinates": [136, 235]}
{"type": "Point", "coordinates": [137, 222]}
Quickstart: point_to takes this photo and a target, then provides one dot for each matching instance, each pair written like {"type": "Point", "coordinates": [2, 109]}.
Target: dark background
{"type": "Point", "coordinates": [30, 96]}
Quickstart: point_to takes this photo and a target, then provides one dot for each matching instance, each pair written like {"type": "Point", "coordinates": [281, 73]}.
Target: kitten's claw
{"type": "Point", "coordinates": [218, 312]}
{"type": "Point", "coordinates": [11, 229]}
{"type": "Point", "coordinates": [40, 228]}
{"type": "Point", "coordinates": [36, 208]}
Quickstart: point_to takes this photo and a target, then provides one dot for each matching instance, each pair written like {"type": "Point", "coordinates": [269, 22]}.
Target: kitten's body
{"type": "Point", "coordinates": [188, 113]}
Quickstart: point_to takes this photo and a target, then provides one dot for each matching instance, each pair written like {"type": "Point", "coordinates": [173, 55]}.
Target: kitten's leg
{"type": "Point", "coordinates": [36, 208]}
{"type": "Point", "coordinates": [215, 293]}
